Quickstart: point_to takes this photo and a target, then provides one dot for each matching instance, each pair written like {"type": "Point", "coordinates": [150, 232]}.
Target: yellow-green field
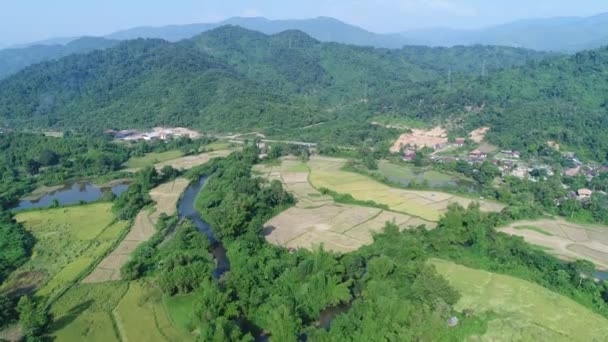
{"type": "Point", "coordinates": [427, 205]}
{"type": "Point", "coordinates": [141, 316]}
{"type": "Point", "coordinates": [152, 158]}
{"type": "Point", "coordinates": [68, 242]}
{"type": "Point", "coordinates": [84, 313]}
{"type": "Point", "coordinates": [525, 311]}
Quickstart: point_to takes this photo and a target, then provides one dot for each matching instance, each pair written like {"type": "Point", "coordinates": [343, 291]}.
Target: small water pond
{"type": "Point", "coordinates": [72, 193]}
{"type": "Point", "coordinates": [405, 175]}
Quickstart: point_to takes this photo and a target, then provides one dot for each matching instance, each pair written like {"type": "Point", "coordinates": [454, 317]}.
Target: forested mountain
{"type": "Point", "coordinates": [232, 79]}
{"type": "Point", "coordinates": [14, 60]}
{"type": "Point", "coordinates": [569, 34]}
{"type": "Point", "coordinates": [562, 99]}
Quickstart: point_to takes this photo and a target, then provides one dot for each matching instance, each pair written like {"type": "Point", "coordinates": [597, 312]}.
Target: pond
{"type": "Point", "coordinates": [601, 275]}
{"type": "Point", "coordinates": [72, 193]}
{"type": "Point", "coordinates": [404, 176]}
{"type": "Point", "coordinates": [186, 210]}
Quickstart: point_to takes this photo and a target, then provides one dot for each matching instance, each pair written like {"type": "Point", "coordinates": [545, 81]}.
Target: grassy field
{"type": "Point", "coordinates": [68, 241]}
{"type": "Point", "coordinates": [427, 205]}
{"type": "Point", "coordinates": [524, 311]}
{"type": "Point", "coordinates": [180, 311]}
{"type": "Point", "coordinates": [218, 145]}
{"type": "Point", "coordinates": [84, 313]}
{"type": "Point", "coordinates": [152, 158]}
{"type": "Point", "coordinates": [141, 316]}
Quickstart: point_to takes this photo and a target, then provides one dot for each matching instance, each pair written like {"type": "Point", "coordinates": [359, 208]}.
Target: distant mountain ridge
{"type": "Point", "coordinates": [14, 60]}
{"type": "Point", "coordinates": [562, 34]}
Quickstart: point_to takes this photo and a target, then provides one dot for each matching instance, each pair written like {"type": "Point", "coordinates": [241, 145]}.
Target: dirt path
{"type": "Point", "coordinates": [166, 197]}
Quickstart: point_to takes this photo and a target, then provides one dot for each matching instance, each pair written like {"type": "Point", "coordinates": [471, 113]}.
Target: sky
{"type": "Point", "coordinates": [23, 21]}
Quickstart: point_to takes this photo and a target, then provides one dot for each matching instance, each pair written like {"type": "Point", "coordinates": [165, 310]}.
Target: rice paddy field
{"type": "Point", "coordinates": [565, 240]}
{"type": "Point", "coordinates": [426, 205]}
{"type": "Point", "coordinates": [317, 220]}
{"type": "Point", "coordinates": [141, 316]}
{"type": "Point", "coordinates": [69, 241]}
{"type": "Point", "coordinates": [116, 311]}
{"type": "Point", "coordinates": [188, 162]}
{"type": "Point", "coordinates": [166, 197]}
{"type": "Point", "coordinates": [152, 158]}
{"type": "Point", "coordinates": [85, 313]}
{"type": "Point", "coordinates": [523, 311]}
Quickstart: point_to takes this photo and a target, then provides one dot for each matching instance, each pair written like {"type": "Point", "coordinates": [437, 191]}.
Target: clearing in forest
{"type": "Point", "coordinates": [317, 220]}
{"type": "Point", "coordinates": [566, 240]}
{"type": "Point", "coordinates": [523, 310]}
{"type": "Point", "coordinates": [427, 205]}
{"type": "Point", "coordinates": [421, 138]}
{"type": "Point", "coordinates": [166, 197]}
{"type": "Point", "coordinates": [68, 242]}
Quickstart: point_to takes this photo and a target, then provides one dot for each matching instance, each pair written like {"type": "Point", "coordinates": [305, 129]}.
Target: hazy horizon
{"type": "Point", "coordinates": [34, 20]}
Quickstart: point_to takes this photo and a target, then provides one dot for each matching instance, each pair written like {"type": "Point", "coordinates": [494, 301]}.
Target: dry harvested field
{"type": "Point", "coordinates": [166, 197]}
{"type": "Point", "coordinates": [188, 162]}
{"type": "Point", "coordinates": [564, 239]}
{"type": "Point", "coordinates": [318, 220]}
{"type": "Point", "coordinates": [421, 138]}
{"type": "Point", "coordinates": [427, 205]}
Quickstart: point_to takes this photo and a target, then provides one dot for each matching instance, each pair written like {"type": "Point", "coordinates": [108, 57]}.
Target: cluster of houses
{"type": "Point", "coordinates": [158, 133]}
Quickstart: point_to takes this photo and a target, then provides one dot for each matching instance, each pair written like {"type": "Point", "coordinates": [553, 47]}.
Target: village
{"type": "Point", "coordinates": [474, 150]}
{"type": "Point", "coordinates": [157, 133]}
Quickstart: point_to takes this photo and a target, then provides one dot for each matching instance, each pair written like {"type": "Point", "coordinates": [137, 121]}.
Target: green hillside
{"type": "Point", "coordinates": [231, 79]}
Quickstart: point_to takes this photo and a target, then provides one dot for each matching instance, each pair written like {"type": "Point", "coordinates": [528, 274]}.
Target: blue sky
{"type": "Point", "coordinates": [30, 20]}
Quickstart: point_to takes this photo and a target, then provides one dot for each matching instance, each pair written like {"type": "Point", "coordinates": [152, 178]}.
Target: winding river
{"type": "Point", "coordinates": [186, 210]}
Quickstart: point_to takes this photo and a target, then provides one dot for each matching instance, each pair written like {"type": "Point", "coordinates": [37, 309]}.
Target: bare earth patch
{"type": "Point", "coordinates": [421, 138]}
{"type": "Point", "coordinates": [568, 241]}
{"type": "Point", "coordinates": [166, 197]}
{"type": "Point", "coordinates": [479, 134]}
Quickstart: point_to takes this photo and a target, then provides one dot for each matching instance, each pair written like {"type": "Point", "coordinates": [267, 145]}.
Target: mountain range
{"type": "Point", "coordinates": [559, 34]}
{"type": "Point", "coordinates": [554, 34]}
{"type": "Point", "coordinates": [232, 79]}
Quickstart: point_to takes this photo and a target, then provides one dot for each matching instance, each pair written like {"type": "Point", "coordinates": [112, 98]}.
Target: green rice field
{"type": "Point", "coordinates": [523, 311]}
{"type": "Point", "coordinates": [68, 241]}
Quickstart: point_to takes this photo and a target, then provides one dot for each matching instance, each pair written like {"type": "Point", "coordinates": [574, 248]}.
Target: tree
{"type": "Point", "coordinates": [48, 158]}
{"type": "Point", "coordinates": [33, 316]}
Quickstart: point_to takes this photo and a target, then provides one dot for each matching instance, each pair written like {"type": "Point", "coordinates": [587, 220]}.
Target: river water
{"type": "Point", "coordinates": [72, 193]}
{"type": "Point", "coordinates": [186, 210]}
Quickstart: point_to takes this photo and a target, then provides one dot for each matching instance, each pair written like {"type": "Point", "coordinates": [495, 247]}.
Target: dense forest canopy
{"type": "Point", "coordinates": [231, 79]}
